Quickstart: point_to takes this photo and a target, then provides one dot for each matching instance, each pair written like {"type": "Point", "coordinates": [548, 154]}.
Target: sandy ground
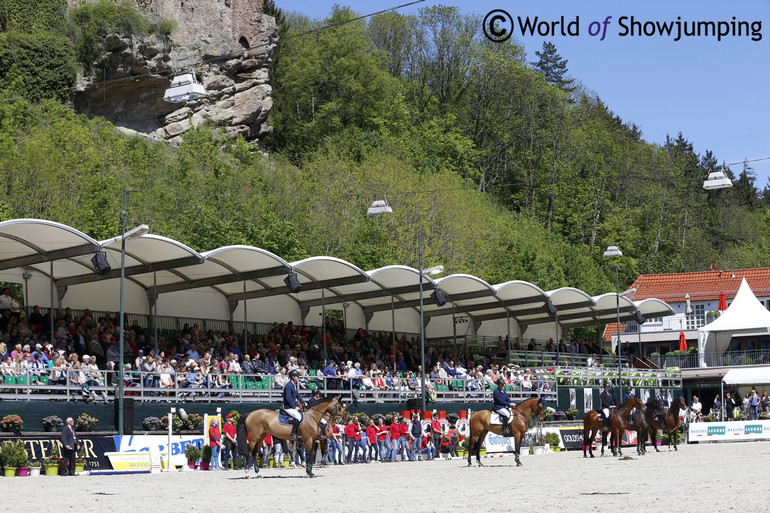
{"type": "Point", "coordinates": [706, 477]}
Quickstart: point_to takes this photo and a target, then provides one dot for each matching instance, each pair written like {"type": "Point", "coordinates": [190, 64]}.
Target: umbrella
{"type": "Point", "coordinates": [722, 302]}
{"type": "Point", "coordinates": [682, 342]}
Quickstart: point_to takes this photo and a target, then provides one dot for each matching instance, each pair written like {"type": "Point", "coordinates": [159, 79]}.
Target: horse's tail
{"type": "Point", "coordinates": [240, 431]}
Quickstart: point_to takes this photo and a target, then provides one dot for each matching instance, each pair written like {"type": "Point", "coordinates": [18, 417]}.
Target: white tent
{"type": "Point", "coordinates": [745, 314]}
{"type": "Point", "coordinates": [748, 376]}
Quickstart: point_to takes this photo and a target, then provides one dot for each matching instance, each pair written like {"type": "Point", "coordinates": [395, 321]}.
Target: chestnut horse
{"type": "Point", "coordinates": [641, 421]}
{"type": "Point", "coordinates": [480, 426]}
{"type": "Point", "coordinates": [592, 423]}
{"type": "Point", "coordinates": [259, 423]}
{"type": "Point", "coordinates": [670, 423]}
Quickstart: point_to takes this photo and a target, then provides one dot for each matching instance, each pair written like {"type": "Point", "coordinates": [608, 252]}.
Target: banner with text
{"type": "Point", "coordinates": [732, 431]}
{"type": "Point", "coordinates": [159, 443]}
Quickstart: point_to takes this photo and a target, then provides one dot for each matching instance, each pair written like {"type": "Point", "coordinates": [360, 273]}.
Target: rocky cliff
{"type": "Point", "coordinates": [129, 80]}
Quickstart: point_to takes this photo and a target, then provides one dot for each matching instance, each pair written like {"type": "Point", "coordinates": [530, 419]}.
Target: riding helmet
{"type": "Point", "coordinates": [293, 373]}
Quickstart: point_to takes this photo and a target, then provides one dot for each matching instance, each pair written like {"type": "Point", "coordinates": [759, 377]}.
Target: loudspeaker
{"type": "Point", "coordinates": [639, 318]}
{"type": "Point", "coordinates": [101, 265]}
{"type": "Point", "coordinates": [549, 308]}
{"type": "Point", "coordinates": [438, 297]}
{"type": "Point", "coordinates": [293, 284]}
{"type": "Point", "coordinates": [414, 404]}
{"type": "Point", "coordinates": [128, 415]}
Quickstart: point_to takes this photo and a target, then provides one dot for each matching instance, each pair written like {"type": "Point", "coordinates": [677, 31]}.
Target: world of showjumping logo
{"type": "Point", "coordinates": [499, 26]}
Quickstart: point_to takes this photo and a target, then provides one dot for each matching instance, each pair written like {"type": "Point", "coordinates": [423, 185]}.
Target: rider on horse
{"type": "Point", "coordinates": [608, 404]}
{"type": "Point", "coordinates": [502, 403]}
{"type": "Point", "coordinates": [292, 401]}
{"type": "Point", "coordinates": [662, 399]}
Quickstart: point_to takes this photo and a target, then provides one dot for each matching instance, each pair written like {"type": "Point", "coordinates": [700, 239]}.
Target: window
{"type": "Point", "coordinates": [697, 318]}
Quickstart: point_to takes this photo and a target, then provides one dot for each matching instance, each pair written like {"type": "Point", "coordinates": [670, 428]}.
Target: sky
{"type": "Point", "coordinates": [712, 91]}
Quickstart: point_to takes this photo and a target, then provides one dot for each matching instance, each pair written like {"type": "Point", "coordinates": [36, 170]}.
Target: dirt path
{"type": "Point", "coordinates": [706, 477]}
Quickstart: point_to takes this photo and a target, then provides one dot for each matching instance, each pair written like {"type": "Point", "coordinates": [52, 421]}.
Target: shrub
{"type": "Point", "coordinates": [85, 422]}
{"type": "Point", "coordinates": [176, 422]}
{"type": "Point", "coordinates": [153, 422]}
{"type": "Point", "coordinates": [552, 439]}
{"type": "Point", "coordinates": [192, 453]}
{"type": "Point", "coordinates": [54, 457]}
{"type": "Point", "coordinates": [12, 423]}
{"type": "Point", "coordinates": [39, 64]}
{"type": "Point", "coordinates": [571, 413]}
{"type": "Point", "coordinates": [193, 422]}
{"type": "Point", "coordinates": [205, 454]}
{"type": "Point", "coordinates": [53, 422]}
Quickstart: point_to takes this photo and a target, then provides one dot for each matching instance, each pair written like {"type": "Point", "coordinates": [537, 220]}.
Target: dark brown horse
{"type": "Point", "coordinates": [592, 423]}
{"type": "Point", "coordinates": [480, 426]}
{"type": "Point", "coordinates": [670, 423]}
{"type": "Point", "coordinates": [261, 422]}
{"type": "Point", "coordinates": [641, 421]}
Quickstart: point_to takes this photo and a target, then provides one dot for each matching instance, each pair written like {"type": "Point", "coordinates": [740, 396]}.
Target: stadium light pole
{"type": "Point", "coordinates": [612, 252]}
{"type": "Point", "coordinates": [379, 208]}
{"type": "Point", "coordinates": [135, 232]}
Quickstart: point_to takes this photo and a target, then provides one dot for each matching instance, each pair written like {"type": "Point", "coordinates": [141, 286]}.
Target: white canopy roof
{"type": "Point", "coordinates": [748, 376]}
{"type": "Point", "coordinates": [235, 281]}
{"type": "Point", "coordinates": [745, 314]}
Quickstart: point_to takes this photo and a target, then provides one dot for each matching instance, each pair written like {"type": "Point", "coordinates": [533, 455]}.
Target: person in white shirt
{"type": "Point", "coordinates": [697, 409]}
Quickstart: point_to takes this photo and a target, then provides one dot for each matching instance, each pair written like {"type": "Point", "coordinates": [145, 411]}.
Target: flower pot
{"type": "Point", "coordinates": [9, 471]}
{"type": "Point", "coordinates": [79, 467]}
{"type": "Point", "coordinates": [204, 465]}
{"type": "Point", "coordinates": [48, 429]}
{"type": "Point", "coordinates": [22, 471]}
{"type": "Point", "coordinates": [556, 449]}
{"type": "Point", "coordinates": [191, 464]}
{"type": "Point", "coordinates": [153, 428]}
{"type": "Point", "coordinates": [34, 471]}
{"type": "Point", "coordinates": [537, 450]}
{"type": "Point", "coordinates": [52, 469]}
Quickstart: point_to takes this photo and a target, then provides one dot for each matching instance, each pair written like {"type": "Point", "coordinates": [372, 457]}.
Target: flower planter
{"type": "Point", "coordinates": [536, 450]}
{"type": "Point", "coordinates": [191, 464]}
{"type": "Point", "coordinates": [52, 469]}
{"type": "Point", "coordinates": [9, 471]}
{"type": "Point", "coordinates": [22, 471]}
{"type": "Point", "coordinates": [48, 429]}
{"type": "Point", "coordinates": [34, 471]}
{"type": "Point", "coordinates": [204, 465]}
{"type": "Point", "coordinates": [80, 467]}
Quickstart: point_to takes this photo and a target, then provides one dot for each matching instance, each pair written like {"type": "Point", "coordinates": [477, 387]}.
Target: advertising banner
{"type": "Point", "coordinates": [130, 461]}
{"type": "Point", "coordinates": [39, 447]}
{"type": "Point", "coordinates": [729, 431]}
{"type": "Point", "coordinates": [497, 443]}
{"type": "Point", "coordinates": [159, 443]}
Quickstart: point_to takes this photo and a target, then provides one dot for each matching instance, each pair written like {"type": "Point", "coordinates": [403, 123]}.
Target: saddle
{"type": "Point", "coordinates": [285, 419]}
{"type": "Point", "coordinates": [496, 418]}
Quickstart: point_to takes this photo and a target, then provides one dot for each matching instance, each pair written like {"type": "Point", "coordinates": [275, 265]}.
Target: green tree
{"type": "Point", "coordinates": [553, 67]}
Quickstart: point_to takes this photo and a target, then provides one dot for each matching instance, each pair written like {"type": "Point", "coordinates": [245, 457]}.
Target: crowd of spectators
{"type": "Point", "coordinates": [83, 350]}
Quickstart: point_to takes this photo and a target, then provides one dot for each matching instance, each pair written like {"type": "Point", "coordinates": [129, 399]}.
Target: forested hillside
{"type": "Point", "coordinates": [507, 169]}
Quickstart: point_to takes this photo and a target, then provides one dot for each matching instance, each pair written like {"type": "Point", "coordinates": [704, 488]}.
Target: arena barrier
{"type": "Point", "coordinates": [737, 431]}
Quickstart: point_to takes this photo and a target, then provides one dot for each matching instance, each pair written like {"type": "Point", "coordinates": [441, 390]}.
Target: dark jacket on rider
{"type": "Point", "coordinates": [501, 399]}
{"type": "Point", "coordinates": [606, 399]}
{"type": "Point", "coordinates": [291, 397]}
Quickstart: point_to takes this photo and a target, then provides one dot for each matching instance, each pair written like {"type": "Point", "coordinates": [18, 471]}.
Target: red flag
{"type": "Point", "coordinates": [722, 302]}
{"type": "Point", "coordinates": [682, 342]}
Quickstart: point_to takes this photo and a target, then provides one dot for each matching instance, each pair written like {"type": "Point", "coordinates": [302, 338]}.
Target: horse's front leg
{"type": "Point", "coordinates": [310, 454]}
{"type": "Point", "coordinates": [517, 451]}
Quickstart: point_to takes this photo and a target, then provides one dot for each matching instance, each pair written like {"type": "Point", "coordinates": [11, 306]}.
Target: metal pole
{"type": "Point", "coordinates": [155, 310]}
{"type": "Point", "coordinates": [323, 320]}
{"type": "Point", "coordinates": [120, 348]}
{"type": "Point", "coordinates": [50, 313]}
{"type": "Point", "coordinates": [556, 337]}
{"type": "Point", "coordinates": [454, 330]}
{"type": "Point", "coordinates": [245, 322]}
{"type": "Point", "coordinates": [617, 304]}
{"type": "Point", "coordinates": [422, 324]}
{"type": "Point", "coordinates": [323, 323]}
{"type": "Point", "coordinates": [393, 324]}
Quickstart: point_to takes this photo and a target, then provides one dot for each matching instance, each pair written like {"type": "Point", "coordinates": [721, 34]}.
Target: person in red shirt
{"type": "Point", "coordinates": [382, 440]}
{"type": "Point", "coordinates": [350, 439]}
{"type": "Point", "coordinates": [230, 436]}
{"type": "Point", "coordinates": [436, 431]}
{"type": "Point", "coordinates": [371, 440]}
{"type": "Point", "coordinates": [215, 441]}
{"type": "Point", "coordinates": [359, 442]}
{"type": "Point", "coordinates": [394, 433]}
{"type": "Point", "coordinates": [403, 439]}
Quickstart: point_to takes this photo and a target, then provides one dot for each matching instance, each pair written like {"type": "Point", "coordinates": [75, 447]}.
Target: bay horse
{"type": "Point", "coordinates": [592, 423]}
{"type": "Point", "coordinates": [641, 421]}
{"type": "Point", "coordinates": [480, 425]}
{"type": "Point", "coordinates": [670, 423]}
{"type": "Point", "coordinates": [259, 423]}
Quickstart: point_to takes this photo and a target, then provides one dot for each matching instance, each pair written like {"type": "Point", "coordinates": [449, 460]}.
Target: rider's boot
{"type": "Point", "coordinates": [506, 427]}
{"type": "Point", "coordinates": [295, 430]}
